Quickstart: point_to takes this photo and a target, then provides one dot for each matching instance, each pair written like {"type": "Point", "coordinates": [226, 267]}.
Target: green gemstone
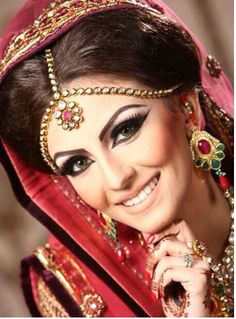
{"type": "Point", "coordinates": [220, 147]}
{"type": "Point", "coordinates": [205, 166]}
{"type": "Point", "coordinates": [215, 164]}
{"type": "Point", "coordinates": [220, 288]}
{"type": "Point", "coordinates": [220, 155]}
{"type": "Point", "coordinates": [112, 236]}
{"type": "Point", "coordinates": [198, 163]}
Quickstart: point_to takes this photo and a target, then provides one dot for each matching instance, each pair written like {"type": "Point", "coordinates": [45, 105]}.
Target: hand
{"type": "Point", "coordinates": [183, 290]}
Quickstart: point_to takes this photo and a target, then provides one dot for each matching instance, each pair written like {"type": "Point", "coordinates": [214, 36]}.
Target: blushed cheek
{"type": "Point", "coordinates": [159, 144]}
{"type": "Point", "coordinates": [91, 193]}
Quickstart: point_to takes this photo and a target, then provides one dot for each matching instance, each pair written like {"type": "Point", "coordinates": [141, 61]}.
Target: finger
{"type": "Point", "coordinates": [194, 280]}
{"type": "Point", "coordinates": [179, 228]}
{"type": "Point", "coordinates": [170, 262]}
{"type": "Point", "coordinates": [168, 246]}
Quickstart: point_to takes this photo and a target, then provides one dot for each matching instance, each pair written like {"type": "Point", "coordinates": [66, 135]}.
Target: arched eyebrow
{"type": "Point", "coordinates": [107, 126]}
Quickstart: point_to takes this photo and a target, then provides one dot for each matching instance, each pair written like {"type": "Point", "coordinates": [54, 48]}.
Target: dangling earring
{"type": "Point", "coordinates": [109, 227]}
{"type": "Point", "coordinates": [207, 151]}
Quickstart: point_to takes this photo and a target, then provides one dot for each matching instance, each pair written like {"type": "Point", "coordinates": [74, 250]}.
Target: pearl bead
{"type": "Point", "coordinates": [231, 238]}
{"type": "Point", "coordinates": [226, 260]}
{"type": "Point", "coordinates": [229, 250]}
{"type": "Point", "coordinates": [230, 268]}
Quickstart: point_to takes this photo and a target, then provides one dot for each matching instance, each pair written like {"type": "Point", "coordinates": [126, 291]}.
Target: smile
{"type": "Point", "coordinates": [143, 194]}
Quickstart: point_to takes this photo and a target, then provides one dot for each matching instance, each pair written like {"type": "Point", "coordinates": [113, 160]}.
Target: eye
{"type": "Point", "coordinates": [80, 164]}
{"type": "Point", "coordinates": [127, 129]}
{"type": "Point", "coordinates": [126, 132]}
{"type": "Point", "coordinates": [75, 166]}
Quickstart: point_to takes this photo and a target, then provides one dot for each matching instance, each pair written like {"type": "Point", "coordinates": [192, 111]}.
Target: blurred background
{"type": "Point", "coordinates": [212, 22]}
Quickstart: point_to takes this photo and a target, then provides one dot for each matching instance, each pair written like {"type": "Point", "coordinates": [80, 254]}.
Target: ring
{"type": "Point", "coordinates": [198, 248]}
{"type": "Point", "coordinates": [188, 260]}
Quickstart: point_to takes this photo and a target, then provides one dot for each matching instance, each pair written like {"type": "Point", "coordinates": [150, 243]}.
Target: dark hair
{"type": "Point", "coordinates": [129, 43]}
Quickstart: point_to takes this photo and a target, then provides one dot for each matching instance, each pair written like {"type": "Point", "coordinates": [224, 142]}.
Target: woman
{"type": "Point", "coordinates": [106, 108]}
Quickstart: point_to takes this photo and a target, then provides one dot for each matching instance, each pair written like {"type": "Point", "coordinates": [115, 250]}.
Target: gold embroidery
{"type": "Point", "coordinates": [53, 18]}
{"type": "Point", "coordinates": [48, 304]}
{"type": "Point", "coordinates": [73, 279]}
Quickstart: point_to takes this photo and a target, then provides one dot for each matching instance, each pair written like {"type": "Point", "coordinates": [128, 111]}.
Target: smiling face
{"type": "Point", "coordinates": [129, 158]}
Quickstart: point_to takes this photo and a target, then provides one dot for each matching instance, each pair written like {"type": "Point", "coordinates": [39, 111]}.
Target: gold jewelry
{"type": "Point", "coordinates": [222, 273]}
{"type": "Point", "coordinates": [68, 113]}
{"type": "Point", "coordinates": [109, 227]}
{"type": "Point", "coordinates": [222, 276]}
{"type": "Point", "coordinates": [198, 248]}
{"type": "Point", "coordinates": [207, 151]}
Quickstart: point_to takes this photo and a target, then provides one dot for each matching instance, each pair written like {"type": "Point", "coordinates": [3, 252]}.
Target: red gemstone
{"type": "Point", "coordinates": [120, 255]}
{"type": "Point", "coordinates": [204, 146]}
{"type": "Point", "coordinates": [67, 115]}
{"type": "Point", "coordinates": [224, 182]}
{"type": "Point", "coordinates": [102, 220]}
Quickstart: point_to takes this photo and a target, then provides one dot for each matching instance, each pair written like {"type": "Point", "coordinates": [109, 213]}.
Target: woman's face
{"type": "Point", "coordinates": [129, 158]}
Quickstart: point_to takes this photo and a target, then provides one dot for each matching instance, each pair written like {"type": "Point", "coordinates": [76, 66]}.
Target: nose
{"type": "Point", "coordinates": [117, 173]}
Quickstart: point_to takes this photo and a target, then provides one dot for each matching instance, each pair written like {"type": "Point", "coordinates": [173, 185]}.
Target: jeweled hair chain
{"type": "Point", "coordinates": [68, 113]}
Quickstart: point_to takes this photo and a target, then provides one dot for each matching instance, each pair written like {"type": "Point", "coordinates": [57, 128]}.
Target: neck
{"type": "Point", "coordinates": [207, 212]}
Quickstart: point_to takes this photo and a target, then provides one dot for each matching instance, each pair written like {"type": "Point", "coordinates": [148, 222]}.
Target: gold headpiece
{"type": "Point", "coordinates": [68, 114]}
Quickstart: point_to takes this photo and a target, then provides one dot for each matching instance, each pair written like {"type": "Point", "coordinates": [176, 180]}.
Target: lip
{"type": "Point", "coordinates": [146, 203]}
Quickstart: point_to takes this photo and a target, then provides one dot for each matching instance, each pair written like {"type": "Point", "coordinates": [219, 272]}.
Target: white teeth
{"type": "Point", "coordinates": [152, 184]}
{"type": "Point", "coordinates": [148, 190]}
{"type": "Point", "coordinates": [155, 180]}
{"type": "Point", "coordinates": [142, 195]}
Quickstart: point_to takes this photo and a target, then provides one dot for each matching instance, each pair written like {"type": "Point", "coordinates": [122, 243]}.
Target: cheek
{"type": "Point", "coordinates": [90, 192]}
{"type": "Point", "coordinates": [160, 142]}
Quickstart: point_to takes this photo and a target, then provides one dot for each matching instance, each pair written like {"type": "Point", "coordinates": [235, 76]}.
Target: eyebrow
{"type": "Point", "coordinates": [107, 126]}
{"type": "Point", "coordinates": [111, 121]}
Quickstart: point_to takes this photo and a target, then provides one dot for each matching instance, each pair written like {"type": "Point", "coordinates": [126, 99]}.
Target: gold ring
{"type": "Point", "coordinates": [198, 248]}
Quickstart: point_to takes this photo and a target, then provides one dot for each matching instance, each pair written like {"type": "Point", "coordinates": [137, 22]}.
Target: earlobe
{"type": "Point", "coordinates": [190, 106]}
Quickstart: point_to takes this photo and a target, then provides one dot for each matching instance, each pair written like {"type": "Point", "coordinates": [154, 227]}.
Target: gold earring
{"type": "Point", "coordinates": [207, 151]}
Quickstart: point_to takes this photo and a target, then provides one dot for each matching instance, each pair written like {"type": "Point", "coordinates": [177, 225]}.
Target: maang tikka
{"type": "Point", "coordinates": [68, 113]}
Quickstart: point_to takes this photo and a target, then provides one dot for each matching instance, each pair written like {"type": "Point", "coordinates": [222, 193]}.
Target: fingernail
{"type": "Point", "coordinates": [150, 239]}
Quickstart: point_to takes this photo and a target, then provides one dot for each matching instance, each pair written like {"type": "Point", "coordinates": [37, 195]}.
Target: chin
{"type": "Point", "coordinates": [159, 217]}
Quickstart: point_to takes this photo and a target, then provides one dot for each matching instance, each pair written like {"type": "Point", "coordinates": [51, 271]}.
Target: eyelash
{"type": "Point", "coordinates": [134, 121]}
{"type": "Point", "coordinates": [67, 167]}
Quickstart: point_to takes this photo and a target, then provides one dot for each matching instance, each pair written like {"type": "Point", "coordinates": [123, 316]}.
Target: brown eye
{"type": "Point", "coordinates": [81, 163]}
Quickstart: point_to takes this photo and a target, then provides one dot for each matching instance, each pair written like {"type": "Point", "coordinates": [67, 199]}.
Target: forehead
{"type": "Point", "coordinates": [96, 111]}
